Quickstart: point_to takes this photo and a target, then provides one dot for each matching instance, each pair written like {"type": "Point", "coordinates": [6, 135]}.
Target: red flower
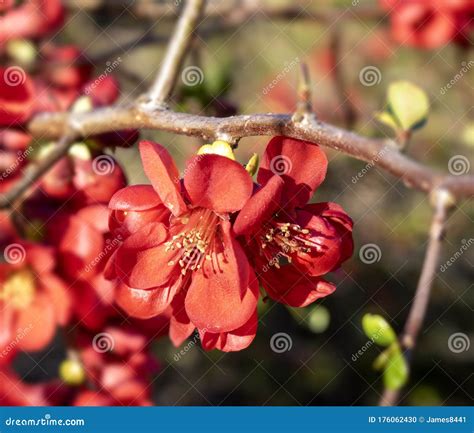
{"type": "Point", "coordinates": [279, 227]}
{"type": "Point", "coordinates": [427, 24]}
{"type": "Point", "coordinates": [119, 376]}
{"type": "Point", "coordinates": [33, 300]}
{"type": "Point", "coordinates": [192, 263]}
{"type": "Point", "coordinates": [16, 96]}
{"type": "Point", "coordinates": [31, 19]}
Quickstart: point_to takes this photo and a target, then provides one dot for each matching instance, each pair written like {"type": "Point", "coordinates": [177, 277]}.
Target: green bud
{"type": "Point", "coordinates": [22, 51]}
{"type": "Point", "coordinates": [318, 319]}
{"type": "Point", "coordinates": [408, 104]}
{"type": "Point", "coordinates": [395, 375]}
{"type": "Point", "coordinates": [378, 330]}
{"type": "Point", "coordinates": [252, 165]}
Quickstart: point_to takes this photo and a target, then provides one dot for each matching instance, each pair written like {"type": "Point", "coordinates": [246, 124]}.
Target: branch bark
{"type": "Point", "coordinates": [380, 153]}
{"type": "Point", "coordinates": [177, 49]}
{"type": "Point", "coordinates": [443, 201]}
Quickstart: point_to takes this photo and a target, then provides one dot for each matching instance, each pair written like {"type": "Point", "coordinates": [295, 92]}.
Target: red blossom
{"type": "Point", "coordinates": [33, 299]}
{"type": "Point", "coordinates": [428, 24]}
{"type": "Point", "coordinates": [17, 96]}
{"type": "Point", "coordinates": [181, 254]}
{"type": "Point", "coordinates": [292, 243]}
{"type": "Point", "coordinates": [30, 19]}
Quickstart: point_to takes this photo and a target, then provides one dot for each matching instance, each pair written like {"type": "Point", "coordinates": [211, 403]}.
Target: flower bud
{"type": "Point", "coordinates": [219, 147]}
{"type": "Point", "coordinates": [378, 330]}
{"type": "Point", "coordinates": [72, 372]}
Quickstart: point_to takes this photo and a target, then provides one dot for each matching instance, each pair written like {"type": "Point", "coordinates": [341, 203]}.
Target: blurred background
{"type": "Point", "coordinates": [249, 63]}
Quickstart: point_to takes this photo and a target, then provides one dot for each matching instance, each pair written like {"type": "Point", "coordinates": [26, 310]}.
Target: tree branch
{"type": "Point", "coordinates": [377, 152]}
{"type": "Point", "coordinates": [35, 171]}
{"type": "Point", "coordinates": [177, 49]}
{"type": "Point", "coordinates": [443, 201]}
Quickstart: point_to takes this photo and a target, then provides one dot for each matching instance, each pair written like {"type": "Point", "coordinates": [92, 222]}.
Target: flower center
{"type": "Point", "coordinates": [194, 239]}
{"type": "Point", "coordinates": [18, 289]}
{"type": "Point", "coordinates": [282, 240]}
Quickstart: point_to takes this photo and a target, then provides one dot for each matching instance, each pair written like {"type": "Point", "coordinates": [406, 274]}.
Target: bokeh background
{"type": "Point", "coordinates": [253, 67]}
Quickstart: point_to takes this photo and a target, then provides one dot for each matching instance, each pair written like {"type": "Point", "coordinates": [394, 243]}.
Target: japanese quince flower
{"type": "Point", "coordinates": [33, 299]}
{"type": "Point", "coordinates": [292, 243]}
{"type": "Point", "coordinates": [181, 253]}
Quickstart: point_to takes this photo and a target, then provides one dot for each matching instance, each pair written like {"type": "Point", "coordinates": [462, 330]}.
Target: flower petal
{"type": "Point", "coordinates": [224, 294]}
{"type": "Point", "coordinates": [218, 183]}
{"type": "Point", "coordinates": [291, 287]}
{"type": "Point", "coordinates": [330, 251]}
{"type": "Point", "coordinates": [301, 164]}
{"type": "Point", "coordinates": [142, 260]}
{"type": "Point", "coordinates": [135, 197]}
{"type": "Point", "coordinates": [260, 207]}
{"type": "Point", "coordinates": [145, 304]}
{"type": "Point", "coordinates": [39, 318]}
{"type": "Point", "coordinates": [163, 174]}
{"type": "Point", "coordinates": [231, 341]}
{"type": "Point", "coordinates": [180, 325]}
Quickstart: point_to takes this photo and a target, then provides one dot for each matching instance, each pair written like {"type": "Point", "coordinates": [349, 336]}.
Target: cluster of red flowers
{"type": "Point", "coordinates": [430, 24]}
{"type": "Point", "coordinates": [198, 248]}
{"type": "Point", "coordinates": [56, 244]}
{"type": "Point", "coordinates": [115, 266]}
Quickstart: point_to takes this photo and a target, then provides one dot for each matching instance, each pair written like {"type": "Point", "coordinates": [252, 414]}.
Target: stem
{"type": "Point", "coordinates": [176, 52]}
{"type": "Point", "coordinates": [443, 201]}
